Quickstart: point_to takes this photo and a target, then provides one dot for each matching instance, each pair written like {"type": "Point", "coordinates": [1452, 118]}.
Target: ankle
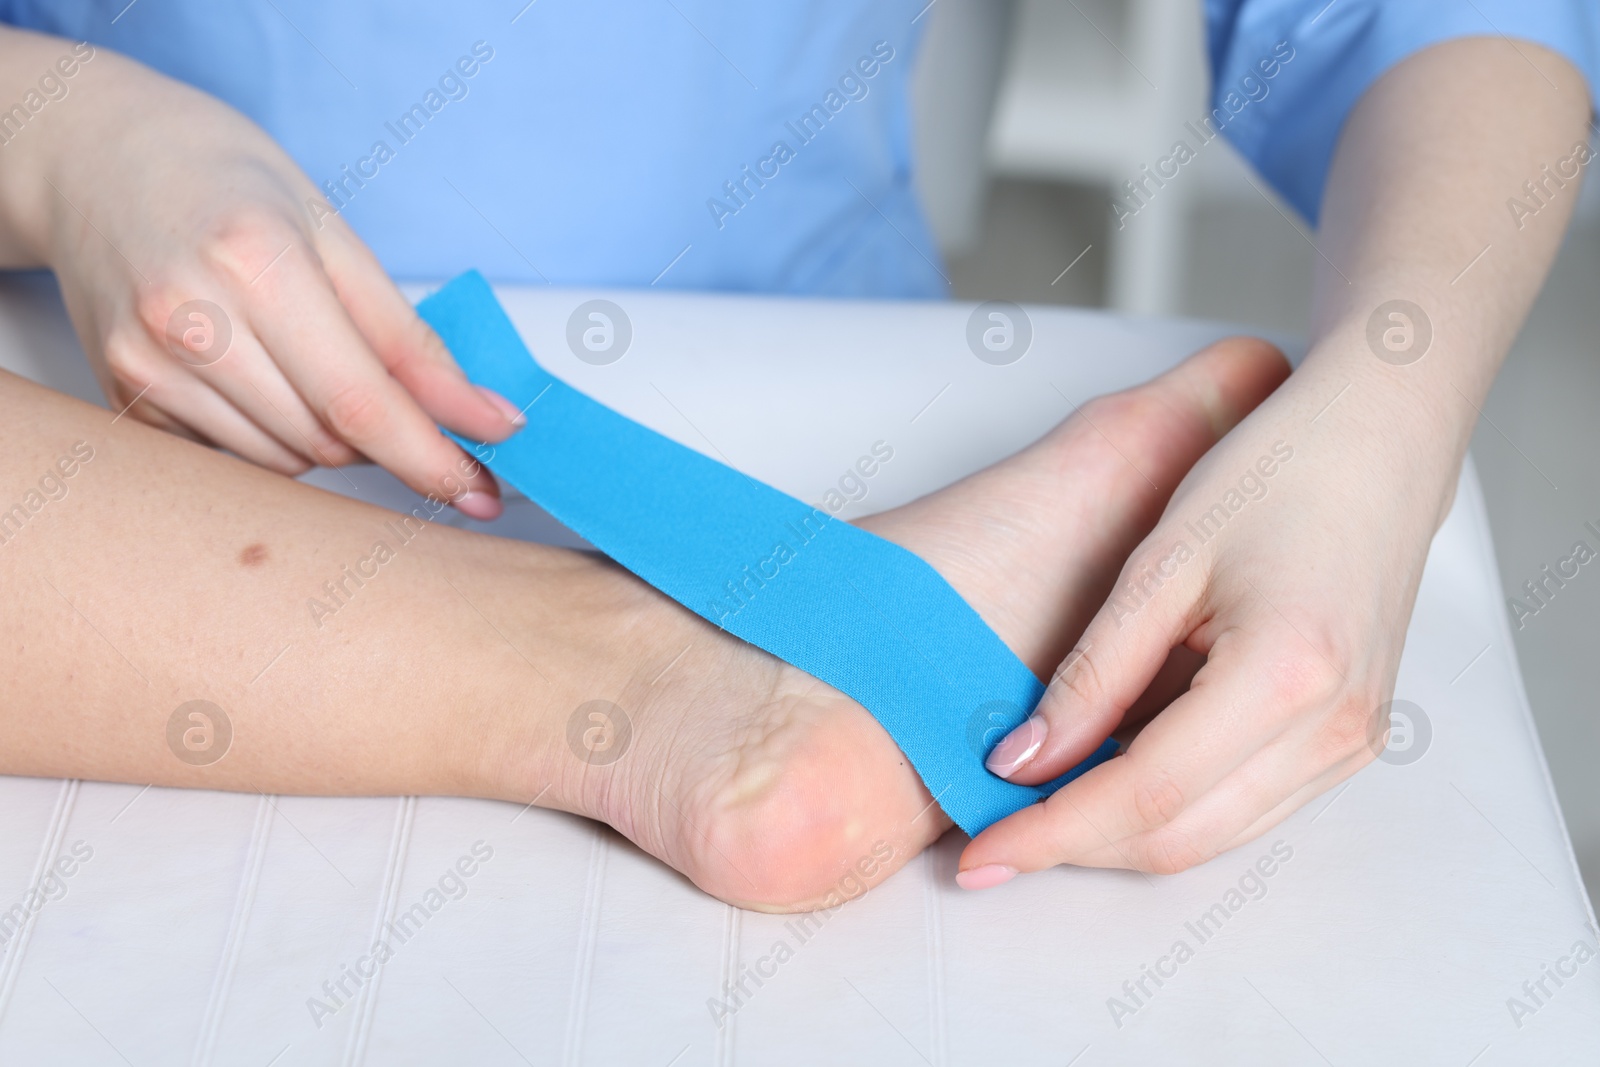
{"type": "Point", "coordinates": [561, 730]}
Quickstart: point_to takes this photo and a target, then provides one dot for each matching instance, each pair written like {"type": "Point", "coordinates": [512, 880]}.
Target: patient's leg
{"type": "Point", "coordinates": [163, 572]}
{"type": "Point", "coordinates": [447, 662]}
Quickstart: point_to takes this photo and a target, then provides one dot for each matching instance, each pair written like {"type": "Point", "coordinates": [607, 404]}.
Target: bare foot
{"type": "Point", "coordinates": [767, 787]}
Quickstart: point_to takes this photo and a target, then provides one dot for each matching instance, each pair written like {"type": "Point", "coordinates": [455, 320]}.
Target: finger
{"type": "Point", "coordinates": [301, 322]}
{"type": "Point", "coordinates": [1128, 640]}
{"type": "Point", "coordinates": [161, 392]}
{"type": "Point", "coordinates": [1171, 681]}
{"type": "Point", "coordinates": [1240, 702]}
{"type": "Point", "coordinates": [249, 379]}
{"type": "Point", "coordinates": [232, 362]}
{"type": "Point", "coordinates": [408, 347]}
{"type": "Point", "coordinates": [1115, 662]}
{"type": "Point", "coordinates": [135, 403]}
{"type": "Point", "coordinates": [129, 364]}
{"type": "Point", "coordinates": [1262, 792]}
{"type": "Point", "coordinates": [1327, 780]}
{"type": "Point", "coordinates": [216, 423]}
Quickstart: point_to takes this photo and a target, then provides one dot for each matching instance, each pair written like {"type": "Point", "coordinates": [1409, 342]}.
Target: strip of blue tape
{"type": "Point", "coordinates": [860, 613]}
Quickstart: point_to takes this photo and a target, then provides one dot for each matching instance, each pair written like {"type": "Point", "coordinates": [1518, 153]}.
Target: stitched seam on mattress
{"type": "Point", "coordinates": [233, 945]}
{"type": "Point", "coordinates": [732, 926]}
{"type": "Point", "coordinates": [49, 849]}
{"type": "Point", "coordinates": [588, 936]}
{"type": "Point", "coordinates": [934, 921]}
{"type": "Point", "coordinates": [388, 901]}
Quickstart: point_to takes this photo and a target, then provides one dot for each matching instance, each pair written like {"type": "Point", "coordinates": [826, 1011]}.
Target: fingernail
{"type": "Point", "coordinates": [505, 407]}
{"type": "Point", "coordinates": [480, 506]}
{"type": "Point", "coordinates": [1019, 747]}
{"type": "Point", "coordinates": [986, 877]}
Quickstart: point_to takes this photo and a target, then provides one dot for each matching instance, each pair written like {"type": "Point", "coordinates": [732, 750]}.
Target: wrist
{"type": "Point", "coordinates": [1406, 426]}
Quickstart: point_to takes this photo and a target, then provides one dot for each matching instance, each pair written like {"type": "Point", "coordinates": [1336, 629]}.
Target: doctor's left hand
{"type": "Point", "coordinates": [215, 301]}
{"type": "Point", "coordinates": [1290, 558]}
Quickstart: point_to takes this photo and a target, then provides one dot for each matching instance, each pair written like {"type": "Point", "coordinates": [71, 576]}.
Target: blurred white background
{"type": "Point", "coordinates": [1029, 113]}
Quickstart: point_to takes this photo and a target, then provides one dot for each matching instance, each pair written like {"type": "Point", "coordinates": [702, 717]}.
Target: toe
{"type": "Point", "coordinates": [1226, 380]}
{"type": "Point", "coordinates": [1162, 427]}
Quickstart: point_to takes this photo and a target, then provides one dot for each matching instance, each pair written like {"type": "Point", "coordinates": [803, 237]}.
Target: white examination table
{"type": "Point", "coordinates": [1418, 899]}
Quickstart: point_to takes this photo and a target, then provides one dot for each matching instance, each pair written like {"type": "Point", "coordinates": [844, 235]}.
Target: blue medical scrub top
{"type": "Point", "coordinates": [691, 143]}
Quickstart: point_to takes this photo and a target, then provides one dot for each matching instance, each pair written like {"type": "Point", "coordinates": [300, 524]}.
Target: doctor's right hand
{"type": "Point", "coordinates": [210, 302]}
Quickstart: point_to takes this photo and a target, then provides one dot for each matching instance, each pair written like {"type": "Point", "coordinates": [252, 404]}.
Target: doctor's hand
{"type": "Point", "coordinates": [213, 300]}
{"type": "Point", "coordinates": [1289, 558]}
{"type": "Point", "coordinates": [1291, 554]}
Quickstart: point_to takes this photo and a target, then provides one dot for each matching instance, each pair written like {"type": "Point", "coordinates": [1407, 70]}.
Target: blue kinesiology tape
{"type": "Point", "coordinates": [865, 616]}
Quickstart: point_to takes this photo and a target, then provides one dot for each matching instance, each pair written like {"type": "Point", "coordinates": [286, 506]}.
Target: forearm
{"type": "Point", "coordinates": [158, 572]}
{"type": "Point", "coordinates": [1418, 209]}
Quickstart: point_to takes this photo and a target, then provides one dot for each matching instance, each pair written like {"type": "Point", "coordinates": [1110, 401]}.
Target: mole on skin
{"type": "Point", "coordinates": [253, 555]}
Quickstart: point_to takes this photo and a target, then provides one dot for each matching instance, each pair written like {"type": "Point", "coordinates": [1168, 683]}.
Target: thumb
{"type": "Point", "coordinates": [1113, 664]}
